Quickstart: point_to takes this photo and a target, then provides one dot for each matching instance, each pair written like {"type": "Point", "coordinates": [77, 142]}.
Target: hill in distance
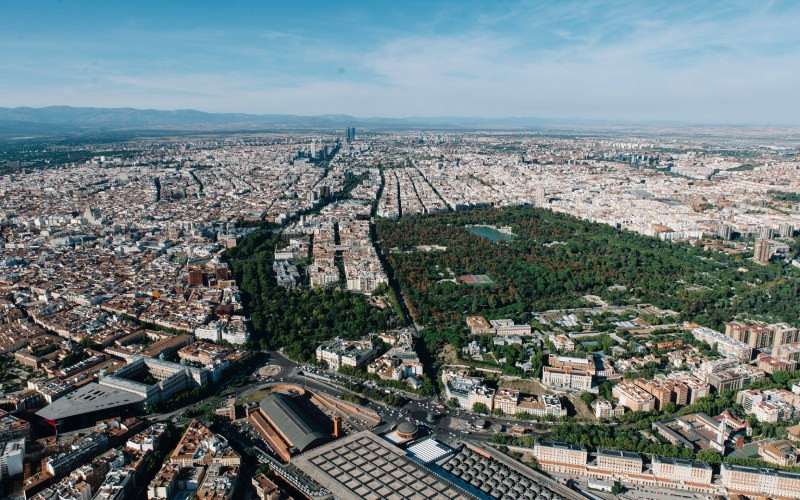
{"type": "Point", "coordinates": [65, 121]}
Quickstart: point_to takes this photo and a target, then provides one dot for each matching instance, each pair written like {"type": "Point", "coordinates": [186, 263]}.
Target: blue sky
{"type": "Point", "coordinates": [702, 61]}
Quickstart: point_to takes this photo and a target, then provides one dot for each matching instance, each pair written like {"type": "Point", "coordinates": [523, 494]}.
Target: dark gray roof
{"type": "Point", "coordinates": [89, 398]}
{"type": "Point", "coordinates": [562, 445]}
{"type": "Point", "coordinates": [765, 471]}
{"type": "Point", "coordinates": [407, 428]}
{"type": "Point", "coordinates": [681, 462]}
{"type": "Point", "coordinates": [292, 421]}
{"type": "Point", "coordinates": [628, 455]}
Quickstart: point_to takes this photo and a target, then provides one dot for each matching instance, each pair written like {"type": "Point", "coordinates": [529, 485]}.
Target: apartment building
{"type": "Point", "coordinates": [81, 452]}
{"type": "Point", "coordinates": [606, 409]}
{"type": "Point", "coordinates": [784, 334]}
{"type": "Point", "coordinates": [759, 335]}
{"type": "Point", "coordinates": [665, 391]}
{"type": "Point", "coordinates": [555, 456]}
{"type": "Point", "coordinates": [467, 391]}
{"type": "Point", "coordinates": [562, 343]}
{"type": "Point", "coordinates": [12, 453]}
{"type": "Point", "coordinates": [780, 452]}
{"type": "Point", "coordinates": [697, 388]}
{"type": "Point", "coordinates": [726, 345]}
{"type": "Point", "coordinates": [735, 378]}
{"type": "Point", "coordinates": [788, 352]}
{"type": "Point", "coordinates": [619, 461]}
{"type": "Point", "coordinates": [633, 397]}
{"type": "Point", "coordinates": [546, 404]}
{"type": "Point", "coordinates": [772, 364]}
{"type": "Point", "coordinates": [762, 481]}
{"type": "Point", "coordinates": [506, 400]}
{"type": "Point", "coordinates": [398, 363]}
{"type": "Point", "coordinates": [681, 470]}
{"type": "Point", "coordinates": [480, 394]}
{"type": "Point", "coordinates": [12, 427]}
{"type": "Point", "coordinates": [337, 353]}
{"type": "Point", "coordinates": [265, 489]}
{"type": "Point", "coordinates": [756, 335]}
{"type": "Point", "coordinates": [768, 406]}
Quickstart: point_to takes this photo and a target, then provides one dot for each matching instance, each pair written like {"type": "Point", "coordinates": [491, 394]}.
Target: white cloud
{"type": "Point", "coordinates": [729, 63]}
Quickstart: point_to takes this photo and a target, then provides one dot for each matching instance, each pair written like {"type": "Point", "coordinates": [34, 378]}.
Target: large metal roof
{"type": "Point", "coordinates": [292, 421]}
{"type": "Point", "coordinates": [89, 398]}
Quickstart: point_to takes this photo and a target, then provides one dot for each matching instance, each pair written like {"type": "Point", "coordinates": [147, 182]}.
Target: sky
{"type": "Point", "coordinates": [724, 62]}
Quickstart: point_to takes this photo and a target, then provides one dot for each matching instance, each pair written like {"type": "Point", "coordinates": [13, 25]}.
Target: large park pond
{"type": "Point", "coordinates": [491, 233]}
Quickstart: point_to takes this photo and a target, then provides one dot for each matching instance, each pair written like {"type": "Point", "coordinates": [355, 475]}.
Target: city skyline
{"type": "Point", "coordinates": [619, 61]}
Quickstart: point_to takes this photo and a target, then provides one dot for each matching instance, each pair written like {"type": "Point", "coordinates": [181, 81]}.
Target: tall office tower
{"type": "Point", "coordinates": [313, 148]}
{"type": "Point", "coordinates": [352, 134]}
{"type": "Point", "coordinates": [763, 251]}
{"type": "Point", "coordinates": [348, 137]}
{"type": "Point", "coordinates": [786, 230]}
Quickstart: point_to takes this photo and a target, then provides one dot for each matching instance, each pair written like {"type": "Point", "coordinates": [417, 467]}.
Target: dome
{"type": "Point", "coordinates": [407, 430]}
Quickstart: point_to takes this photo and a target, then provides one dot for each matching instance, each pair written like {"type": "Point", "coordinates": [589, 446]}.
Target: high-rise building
{"type": "Point", "coordinates": [786, 230]}
{"type": "Point", "coordinates": [725, 231]}
{"type": "Point", "coordinates": [766, 233]}
{"type": "Point", "coordinates": [540, 200]}
{"type": "Point", "coordinates": [763, 251]}
{"type": "Point", "coordinates": [196, 277]}
{"type": "Point", "coordinates": [350, 134]}
{"type": "Point", "coordinates": [222, 273]}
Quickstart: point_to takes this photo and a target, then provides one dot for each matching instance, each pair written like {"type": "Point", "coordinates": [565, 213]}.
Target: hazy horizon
{"type": "Point", "coordinates": [714, 63]}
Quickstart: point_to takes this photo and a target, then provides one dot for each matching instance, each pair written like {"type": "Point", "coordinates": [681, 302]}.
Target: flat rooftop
{"type": "Point", "coordinates": [89, 398]}
{"type": "Point", "coordinates": [681, 462]}
{"type": "Point", "coordinates": [562, 445]}
{"type": "Point", "coordinates": [627, 455]}
{"type": "Point", "coordinates": [365, 466]}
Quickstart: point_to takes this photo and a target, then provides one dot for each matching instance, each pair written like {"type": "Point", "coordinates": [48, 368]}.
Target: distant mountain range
{"type": "Point", "coordinates": [69, 120]}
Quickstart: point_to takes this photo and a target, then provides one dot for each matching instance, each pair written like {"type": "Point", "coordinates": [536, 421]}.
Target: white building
{"type": "Point", "coordinates": [337, 353]}
{"type": "Point", "coordinates": [566, 378]}
{"type": "Point", "coordinates": [12, 453]}
{"type": "Point", "coordinates": [763, 481]}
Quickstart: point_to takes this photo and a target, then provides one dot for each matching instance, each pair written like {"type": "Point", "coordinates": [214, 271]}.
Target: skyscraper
{"type": "Point", "coordinates": [350, 134]}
